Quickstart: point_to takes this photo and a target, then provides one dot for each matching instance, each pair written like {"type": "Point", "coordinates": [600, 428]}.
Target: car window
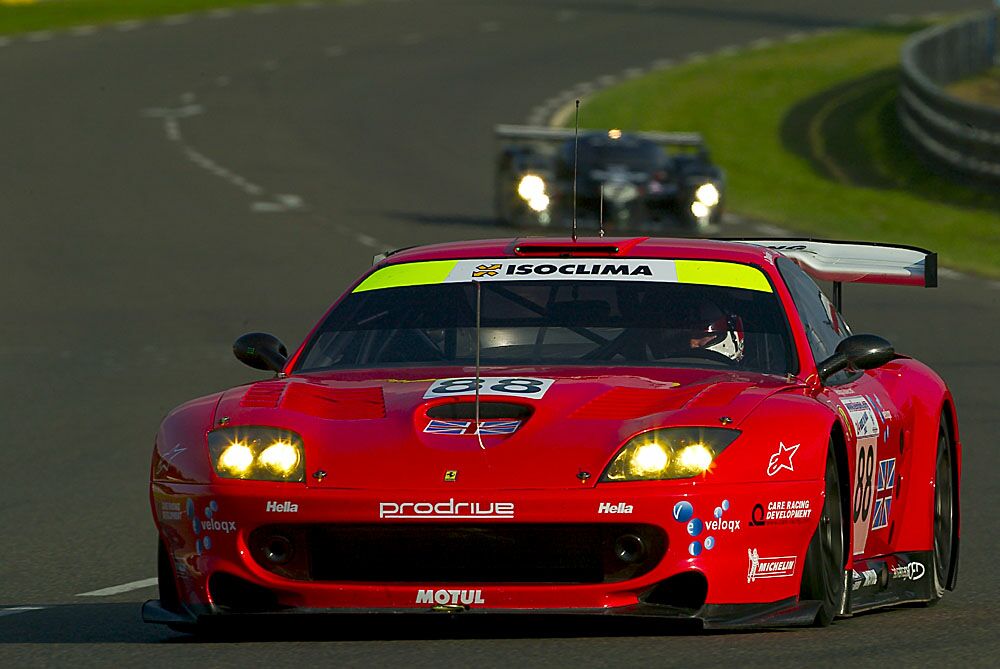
{"type": "Point", "coordinates": [556, 322]}
{"type": "Point", "coordinates": [824, 326]}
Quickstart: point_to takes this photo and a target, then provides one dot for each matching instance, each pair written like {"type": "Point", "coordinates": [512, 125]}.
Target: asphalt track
{"type": "Point", "coordinates": [167, 186]}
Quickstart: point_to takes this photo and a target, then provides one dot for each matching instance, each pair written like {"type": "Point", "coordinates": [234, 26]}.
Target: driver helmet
{"type": "Point", "coordinates": [712, 329]}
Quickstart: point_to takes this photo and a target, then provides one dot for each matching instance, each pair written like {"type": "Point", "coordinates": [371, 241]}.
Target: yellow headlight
{"type": "Point", "coordinates": [280, 457]}
{"type": "Point", "coordinates": [236, 459]}
{"type": "Point", "coordinates": [649, 459]}
{"type": "Point", "coordinates": [695, 458]}
{"type": "Point", "coordinates": [669, 453]}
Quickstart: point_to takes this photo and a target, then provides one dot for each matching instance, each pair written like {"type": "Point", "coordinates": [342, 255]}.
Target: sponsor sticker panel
{"type": "Point", "coordinates": [529, 388]}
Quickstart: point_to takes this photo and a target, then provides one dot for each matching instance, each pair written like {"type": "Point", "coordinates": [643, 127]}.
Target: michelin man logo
{"type": "Point", "coordinates": [684, 513]}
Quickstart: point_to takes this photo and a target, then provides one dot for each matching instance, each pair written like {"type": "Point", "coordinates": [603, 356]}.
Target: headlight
{"type": "Point", "coordinates": [669, 453]}
{"type": "Point", "coordinates": [531, 187]}
{"type": "Point", "coordinates": [258, 453]}
{"type": "Point", "coordinates": [700, 210]}
{"type": "Point", "coordinates": [707, 194]}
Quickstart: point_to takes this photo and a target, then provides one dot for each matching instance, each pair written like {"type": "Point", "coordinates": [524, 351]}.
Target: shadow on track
{"type": "Point", "coordinates": [121, 623]}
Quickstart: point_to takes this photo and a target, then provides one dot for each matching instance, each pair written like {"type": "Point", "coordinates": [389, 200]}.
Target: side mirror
{"type": "Point", "coordinates": [261, 350]}
{"type": "Point", "coordinates": [862, 351]}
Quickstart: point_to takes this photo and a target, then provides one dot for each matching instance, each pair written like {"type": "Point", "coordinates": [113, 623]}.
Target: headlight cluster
{"type": "Point", "coordinates": [669, 453]}
{"type": "Point", "coordinates": [706, 197]}
{"type": "Point", "coordinates": [259, 453]}
{"type": "Point", "coordinates": [532, 190]}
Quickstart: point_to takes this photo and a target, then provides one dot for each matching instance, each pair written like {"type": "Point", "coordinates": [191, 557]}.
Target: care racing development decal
{"type": "Point", "coordinates": [447, 509]}
{"type": "Point", "coordinates": [533, 389]}
{"type": "Point", "coordinates": [769, 567]}
{"type": "Point", "coordinates": [684, 513]}
{"type": "Point", "coordinates": [781, 512]}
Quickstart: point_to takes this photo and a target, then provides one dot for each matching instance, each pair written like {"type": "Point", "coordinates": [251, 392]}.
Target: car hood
{"type": "Point", "coordinates": [375, 428]}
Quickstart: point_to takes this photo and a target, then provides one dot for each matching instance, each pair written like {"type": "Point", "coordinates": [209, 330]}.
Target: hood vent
{"type": "Point", "coordinates": [487, 410]}
{"type": "Point", "coordinates": [634, 402]}
{"type": "Point", "coordinates": [265, 394]}
{"type": "Point", "coordinates": [334, 403]}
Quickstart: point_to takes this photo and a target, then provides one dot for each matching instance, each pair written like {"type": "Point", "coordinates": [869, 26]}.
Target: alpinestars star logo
{"type": "Point", "coordinates": [782, 459]}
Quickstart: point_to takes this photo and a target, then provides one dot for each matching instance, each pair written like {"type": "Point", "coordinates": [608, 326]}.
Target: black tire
{"type": "Point", "coordinates": [944, 514]}
{"type": "Point", "coordinates": [823, 573]}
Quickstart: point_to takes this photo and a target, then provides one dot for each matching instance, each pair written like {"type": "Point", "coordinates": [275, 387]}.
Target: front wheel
{"type": "Point", "coordinates": [823, 573]}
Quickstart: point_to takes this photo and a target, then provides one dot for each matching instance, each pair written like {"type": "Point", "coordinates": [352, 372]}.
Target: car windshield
{"type": "Point", "coordinates": [628, 152]}
{"type": "Point", "coordinates": [555, 322]}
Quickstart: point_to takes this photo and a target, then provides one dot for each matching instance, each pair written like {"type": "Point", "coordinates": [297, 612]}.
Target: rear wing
{"type": "Point", "coordinates": [857, 262]}
{"type": "Point", "coordinates": [532, 133]}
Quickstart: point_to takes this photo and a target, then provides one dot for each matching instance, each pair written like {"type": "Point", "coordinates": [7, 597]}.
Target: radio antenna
{"type": "Point", "coordinates": [479, 314]}
{"type": "Point", "coordinates": [576, 151]}
{"type": "Point", "coordinates": [600, 212]}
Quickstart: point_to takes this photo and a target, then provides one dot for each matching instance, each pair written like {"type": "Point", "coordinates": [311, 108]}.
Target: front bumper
{"type": "Point", "coordinates": [726, 556]}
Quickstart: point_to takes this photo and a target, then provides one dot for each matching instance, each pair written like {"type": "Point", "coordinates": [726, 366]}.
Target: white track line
{"type": "Point", "coordinates": [118, 589]}
{"type": "Point", "coordinates": [14, 610]}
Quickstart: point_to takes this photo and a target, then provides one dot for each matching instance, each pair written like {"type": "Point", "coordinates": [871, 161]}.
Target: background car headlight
{"type": "Point", "coordinates": [669, 453]}
{"type": "Point", "coordinates": [707, 194]}
{"type": "Point", "coordinates": [531, 187]}
{"type": "Point", "coordinates": [259, 453]}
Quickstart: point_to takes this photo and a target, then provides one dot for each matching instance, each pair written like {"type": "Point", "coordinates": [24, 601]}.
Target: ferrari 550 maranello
{"type": "Point", "coordinates": [652, 427]}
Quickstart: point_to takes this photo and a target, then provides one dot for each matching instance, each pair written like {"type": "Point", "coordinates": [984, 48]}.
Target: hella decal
{"type": "Point", "coordinates": [282, 507]}
{"type": "Point", "coordinates": [447, 509]}
{"type": "Point", "coordinates": [450, 597]}
{"type": "Point", "coordinates": [620, 507]}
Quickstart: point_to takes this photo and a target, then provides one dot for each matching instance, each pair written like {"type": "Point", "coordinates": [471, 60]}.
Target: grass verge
{"type": "Point", "coordinates": [808, 135]}
{"type": "Point", "coordinates": [19, 16]}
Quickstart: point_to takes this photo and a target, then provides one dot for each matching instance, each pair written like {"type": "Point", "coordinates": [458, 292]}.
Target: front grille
{"type": "Point", "coordinates": [495, 553]}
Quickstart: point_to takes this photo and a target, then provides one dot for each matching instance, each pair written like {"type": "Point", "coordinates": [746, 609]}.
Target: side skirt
{"type": "Point", "coordinates": [899, 578]}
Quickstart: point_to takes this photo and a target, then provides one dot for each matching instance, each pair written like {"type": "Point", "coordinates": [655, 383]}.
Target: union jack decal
{"type": "Point", "coordinates": [447, 426]}
{"type": "Point", "coordinates": [884, 485]}
{"type": "Point", "coordinates": [883, 508]}
{"type": "Point", "coordinates": [486, 427]}
{"type": "Point", "coordinates": [886, 475]}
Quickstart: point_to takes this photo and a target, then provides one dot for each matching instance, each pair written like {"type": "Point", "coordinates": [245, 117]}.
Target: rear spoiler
{"type": "Point", "coordinates": [534, 133]}
{"type": "Point", "coordinates": [857, 262]}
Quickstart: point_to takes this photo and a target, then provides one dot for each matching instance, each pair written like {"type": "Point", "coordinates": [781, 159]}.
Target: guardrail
{"type": "Point", "coordinates": [957, 136]}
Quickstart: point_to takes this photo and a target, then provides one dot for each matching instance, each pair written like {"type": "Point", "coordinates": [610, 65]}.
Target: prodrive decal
{"type": "Point", "coordinates": [445, 510]}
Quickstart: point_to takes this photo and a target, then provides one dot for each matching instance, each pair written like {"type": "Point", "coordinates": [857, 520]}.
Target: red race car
{"type": "Point", "coordinates": [651, 427]}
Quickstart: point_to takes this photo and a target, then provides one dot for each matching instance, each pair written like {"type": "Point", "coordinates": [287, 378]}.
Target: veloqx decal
{"type": "Point", "coordinates": [700, 272]}
{"type": "Point", "coordinates": [769, 567]}
{"type": "Point", "coordinates": [533, 389]}
{"type": "Point", "coordinates": [211, 523]}
{"type": "Point", "coordinates": [486, 427]}
{"type": "Point", "coordinates": [782, 459]}
{"type": "Point", "coordinates": [684, 513]}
